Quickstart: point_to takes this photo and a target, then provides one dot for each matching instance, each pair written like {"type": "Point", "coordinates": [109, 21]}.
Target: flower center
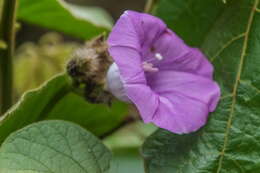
{"type": "Point", "coordinates": [148, 66]}
{"type": "Point", "coordinates": [158, 56]}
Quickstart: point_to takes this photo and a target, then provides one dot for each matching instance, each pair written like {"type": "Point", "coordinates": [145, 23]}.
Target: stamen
{"type": "Point", "coordinates": [148, 67]}
{"type": "Point", "coordinates": [158, 56]}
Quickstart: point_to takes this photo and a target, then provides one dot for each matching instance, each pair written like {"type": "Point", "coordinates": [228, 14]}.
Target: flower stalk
{"type": "Point", "coordinates": [7, 36]}
{"type": "Point", "coordinates": [149, 6]}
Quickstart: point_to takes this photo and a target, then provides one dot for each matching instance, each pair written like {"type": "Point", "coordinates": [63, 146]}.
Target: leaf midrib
{"type": "Point", "coordinates": [234, 92]}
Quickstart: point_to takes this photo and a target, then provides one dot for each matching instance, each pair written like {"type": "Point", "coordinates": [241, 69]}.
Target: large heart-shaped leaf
{"type": "Point", "coordinates": [190, 19]}
{"type": "Point", "coordinates": [79, 21]}
{"type": "Point", "coordinates": [230, 140]}
{"type": "Point", "coordinates": [56, 100]}
{"type": "Point", "coordinates": [53, 146]}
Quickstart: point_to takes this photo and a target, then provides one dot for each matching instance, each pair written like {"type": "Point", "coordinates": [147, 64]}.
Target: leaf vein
{"type": "Point", "coordinates": [57, 151]}
{"type": "Point", "coordinates": [95, 158]}
{"type": "Point", "coordinates": [238, 166]}
{"type": "Point", "coordinates": [251, 85]}
{"type": "Point", "coordinates": [26, 156]}
{"type": "Point", "coordinates": [226, 96]}
{"type": "Point", "coordinates": [228, 43]}
{"type": "Point", "coordinates": [243, 54]}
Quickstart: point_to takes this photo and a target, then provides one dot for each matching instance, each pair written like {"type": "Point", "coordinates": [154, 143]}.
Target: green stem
{"type": "Point", "coordinates": [128, 120]}
{"type": "Point", "coordinates": [7, 36]}
{"type": "Point", "coordinates": [149, 6]}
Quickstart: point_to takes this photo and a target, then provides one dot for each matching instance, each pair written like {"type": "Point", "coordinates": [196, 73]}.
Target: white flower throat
{"type": "Point", "coordinates": [115, 84]}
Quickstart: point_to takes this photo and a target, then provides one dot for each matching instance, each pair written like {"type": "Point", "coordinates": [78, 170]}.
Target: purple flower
{"type": "Point", "coordinates": [169, 82]}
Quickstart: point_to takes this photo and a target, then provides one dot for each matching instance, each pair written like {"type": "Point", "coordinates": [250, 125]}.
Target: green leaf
{"type": "Point", "coordinates": [56, 100]}
{"type": "Point", "coordinates": [78, 21]}
{"type": "Point", "coordinates": [229, 143]}
{"type": "Point", "coordinates": [190, 19]}
{"type": "Point", "coordinates": [53, 146]}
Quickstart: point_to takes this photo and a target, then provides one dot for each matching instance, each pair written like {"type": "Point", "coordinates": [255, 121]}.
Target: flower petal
{"type": "Point", "coordinates": [166, 83]}
{"type": "Point", "coordinates": [124, 32]}
{"type": "Point", "coordinates": [176, 101]}
{"type": "Point", "coordinates": [178, 56]}
{"type": "Point", "coordinates": [132, 32]}
{"type": "Point", "coordinates": [145, 100]}
{"type": "Point", "coordinates": [179, 115]}
{"type": "Point", "coordinates": [129, 63]}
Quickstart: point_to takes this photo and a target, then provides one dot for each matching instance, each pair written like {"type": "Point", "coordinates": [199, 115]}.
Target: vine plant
{"type": "Point", "coordinates": [7, 37]}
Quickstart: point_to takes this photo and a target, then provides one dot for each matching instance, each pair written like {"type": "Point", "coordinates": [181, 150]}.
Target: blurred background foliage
{"type": "Point", "coordinates": [41, 53]}
{"type": "Point", "coordinates": [36, 62]}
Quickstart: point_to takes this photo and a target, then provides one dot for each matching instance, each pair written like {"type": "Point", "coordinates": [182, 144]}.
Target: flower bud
{"type": "Point", "coordinates": [88, 68]}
